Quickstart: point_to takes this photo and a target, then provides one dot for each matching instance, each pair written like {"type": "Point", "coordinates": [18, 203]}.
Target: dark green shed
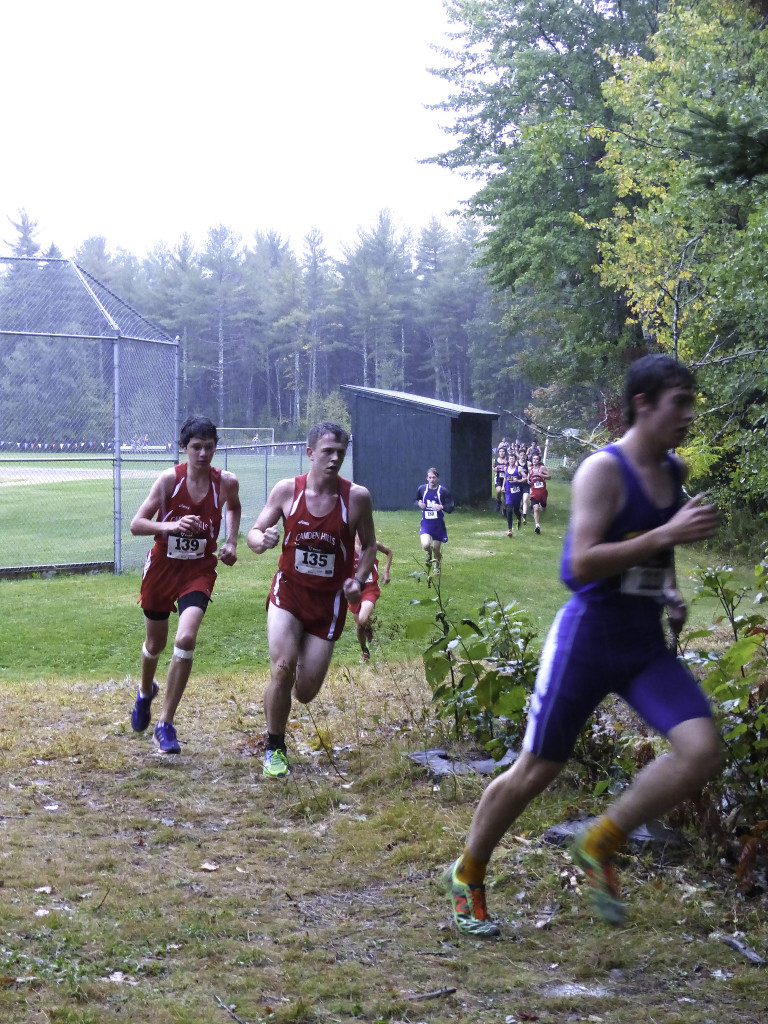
{"type": "Point", "coordinates": [398, 436]}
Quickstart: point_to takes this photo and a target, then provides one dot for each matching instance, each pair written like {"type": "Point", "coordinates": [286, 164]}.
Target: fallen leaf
{"type": "Point", "coordinates": [45, 888]}
{"type": "Point", "coordinates": [208, 865]}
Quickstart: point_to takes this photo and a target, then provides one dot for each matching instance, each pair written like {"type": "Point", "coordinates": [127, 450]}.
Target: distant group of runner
{"type": "Point", "coordinates": [520, 479]}
{"type": "Point", "coordinates": [627, 514]}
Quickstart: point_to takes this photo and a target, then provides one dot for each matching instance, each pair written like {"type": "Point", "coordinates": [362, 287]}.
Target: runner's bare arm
{"type": "Point", "coordinates": [264, 533]}
{"type": "Point", "coordinates": [384, 550]}
{"type": "Point", "coordinates": [144, 524]}
{"type": "Point", "coordinates": [361, 522]}
{"type": "Point", "coordinates": [230, 493]}
{"type": "Point", "coordinates": [596, 499]}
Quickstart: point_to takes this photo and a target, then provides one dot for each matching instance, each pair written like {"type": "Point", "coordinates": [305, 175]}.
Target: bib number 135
{"type": "Point", "coordinates": [315, 563]}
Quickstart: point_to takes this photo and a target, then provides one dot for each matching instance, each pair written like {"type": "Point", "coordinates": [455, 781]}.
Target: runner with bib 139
{"type": "Point", "coordinates": [183, 512]}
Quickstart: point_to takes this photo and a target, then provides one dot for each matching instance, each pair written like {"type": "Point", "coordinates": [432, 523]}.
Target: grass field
{"type": "Point", "coordinates": [58, 511]}
{"type": "Point", "coordinates": [191, 890]}
{"type": "Point", "coordinates": [90, 627]}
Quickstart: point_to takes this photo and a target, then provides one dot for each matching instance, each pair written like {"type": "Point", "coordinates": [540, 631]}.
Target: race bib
{"type": "Point", "coordinates": [186, 547]}
{"type": "Point", "coordinates": [314, 563]}
{"type": "Point", "coordinates": [430, 513]}
{"type": "Point", "coordinates": [514, 490]}
{"type": "Point", "coordinates": [644, 581]}
{"type": "Point", "coordinates": [538, 485]}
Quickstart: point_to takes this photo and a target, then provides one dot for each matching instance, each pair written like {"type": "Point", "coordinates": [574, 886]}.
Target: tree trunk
{"type": "Point", "coordinates": [296, 387]}
{"type": "Point", "coordinates": [278, 393]}
{"type": "Point", "coordinates": [221, 369]}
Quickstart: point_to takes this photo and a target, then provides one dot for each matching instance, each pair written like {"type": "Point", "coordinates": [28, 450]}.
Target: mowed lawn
{"type": "Point", "coordinates": [58, 511]}
{"type": "Point", "coordinates": [90, 627]}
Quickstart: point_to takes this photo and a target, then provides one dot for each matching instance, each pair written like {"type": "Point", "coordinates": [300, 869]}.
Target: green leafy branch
{"type": "Point", "coordinates": [481, 672]}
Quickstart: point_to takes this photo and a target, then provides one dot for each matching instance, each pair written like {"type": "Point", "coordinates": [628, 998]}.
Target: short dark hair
{"type": "Point", "coordinates": [197, 426]}
{"type": "Point", "coordinates": [649, 376]}
{"type": "Point", "coordinates": [321, 429]}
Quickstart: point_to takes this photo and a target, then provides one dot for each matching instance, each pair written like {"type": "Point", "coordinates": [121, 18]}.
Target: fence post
{"type": "Point", "coordinates": [116, 455]}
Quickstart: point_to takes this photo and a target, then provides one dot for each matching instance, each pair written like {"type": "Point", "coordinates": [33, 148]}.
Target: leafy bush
{"type": "Point", "coordinates": [482, 672]}
{"type": "Point", "coordinates": [734, 674]}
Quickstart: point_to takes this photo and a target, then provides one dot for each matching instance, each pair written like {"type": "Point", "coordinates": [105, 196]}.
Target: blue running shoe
{"type": "Point", "coordinates": [165, 738]}
{"type": "Point", "coordinates": [141, 715]}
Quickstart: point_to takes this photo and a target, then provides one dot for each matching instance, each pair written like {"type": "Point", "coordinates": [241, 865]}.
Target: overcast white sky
{"type": "Point", "coordinates": [139, 121]}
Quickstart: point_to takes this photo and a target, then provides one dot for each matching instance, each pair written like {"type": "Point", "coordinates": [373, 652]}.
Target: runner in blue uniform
{"type": "Point", "coordinates": [435, 501]}
{"type": "Point", "coordinates": [514, 481]}
{"type": "Point", "coordinates": [627, 516]}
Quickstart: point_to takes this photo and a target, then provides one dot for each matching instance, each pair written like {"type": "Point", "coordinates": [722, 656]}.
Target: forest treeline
{"type": "Point", "coordinates": [623, 153]}
{"type": "Point", "coordinates": [268, 334]}
{"type": "Point", "coordinates": [620, 150]}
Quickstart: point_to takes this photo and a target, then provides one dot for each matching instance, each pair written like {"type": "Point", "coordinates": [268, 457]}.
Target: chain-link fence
{"type": "Point", "coordinates": [88, 417]}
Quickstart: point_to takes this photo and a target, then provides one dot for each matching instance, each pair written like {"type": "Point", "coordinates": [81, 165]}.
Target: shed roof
{"type": "Point", "coordinates": [403, 398]}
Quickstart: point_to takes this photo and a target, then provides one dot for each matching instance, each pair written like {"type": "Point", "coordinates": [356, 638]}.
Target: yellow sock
{"type": "Point", "coordinates": [603, 839]}
{"type": "Point", "coordinates": [471, 871]}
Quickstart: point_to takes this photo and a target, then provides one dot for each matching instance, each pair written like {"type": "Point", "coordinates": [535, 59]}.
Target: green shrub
{"type": "Point", "coordinates": [482, 672]}
{"type": "Point", "coordinates": [734, 675]}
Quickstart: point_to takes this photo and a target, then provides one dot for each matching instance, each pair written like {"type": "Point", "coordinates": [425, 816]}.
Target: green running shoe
{"type": "Point", "coordinates": [276, 764]}
{"type": "Point", "coordinates": [603, 886]}
{"type": "Point", "coordinates": [470, 913]}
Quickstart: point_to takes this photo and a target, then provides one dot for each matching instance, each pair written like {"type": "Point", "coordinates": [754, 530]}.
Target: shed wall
{"type": "Point", "coordinates": [394, 446]}
{"type": "Point", "coordinates": [395, 443]}
{"type": "Point", "coordinates": [471, 453]}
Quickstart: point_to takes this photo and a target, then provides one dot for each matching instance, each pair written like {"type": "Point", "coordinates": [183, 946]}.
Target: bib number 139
{"type": "Point", "coordinates": [186, 547]}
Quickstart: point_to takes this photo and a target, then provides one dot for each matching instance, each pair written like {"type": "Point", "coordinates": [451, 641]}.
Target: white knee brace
{"type": "Point", "coordinates": [179, 652]}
